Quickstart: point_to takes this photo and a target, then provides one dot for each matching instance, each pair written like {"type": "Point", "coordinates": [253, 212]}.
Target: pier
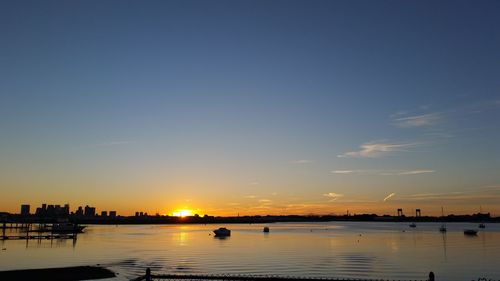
{"type": "Point", "coordinates": [238, 277]}
{"type": "Point", "coordinates": [30, 231]}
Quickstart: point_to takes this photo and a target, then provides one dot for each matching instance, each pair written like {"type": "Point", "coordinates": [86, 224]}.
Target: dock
{"type": "Point", "coordinates": [230, 277]}
{"type": "Point", "coordinates": [30, 231]}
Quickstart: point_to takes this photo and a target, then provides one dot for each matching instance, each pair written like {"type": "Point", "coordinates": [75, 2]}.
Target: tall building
{"type": "Point", "coordinates": [79, 212]}
{"type": "Point", "coordinates": [65, 209]}
{"type": "Point", "coordinates": [112, 214]}
{"type": "Point", "coordinates": [89, 211]}
{"type": "Point", "coordinates": [25, 210]}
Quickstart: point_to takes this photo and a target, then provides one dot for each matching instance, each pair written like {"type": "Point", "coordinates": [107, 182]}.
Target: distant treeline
{"type": "Point", "coordinates": [158, 219]}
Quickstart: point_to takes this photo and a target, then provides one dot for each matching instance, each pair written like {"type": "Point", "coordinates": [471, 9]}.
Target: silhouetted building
{"type": "Point", "coordinates": [104, 214]}
{"type": "Point", "coordinates": [65, 209]}
{"type": "Point", "coordinates": [25, 210]}
{"type": "Point", "coordinates": [112, 214]}
{"type": "Point", "coordinates": [79, 212]}
{"type": "Point", "coordinates": [52, 211]}
{"type": "Point", "coordinates": [41, 211]}
{"type": "Point", "coordinates": [89, 211]}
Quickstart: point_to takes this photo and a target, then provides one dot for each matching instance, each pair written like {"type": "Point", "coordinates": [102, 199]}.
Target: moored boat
{"type": "Point", "coordinates": [442, 228]}
{"type": "Point", "coordinates": [222, 232]}
{"type": "Point", "coordinates": [266, 229]}
{"type": "Point", "coordinates": [470, 232]}
{"type": "Point", "coordinates": [413, 224]}
{"type": "Point", "coordinates": [67, 228]}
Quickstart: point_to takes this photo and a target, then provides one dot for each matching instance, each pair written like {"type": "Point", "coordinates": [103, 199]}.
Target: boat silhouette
{"type": "Point", "coordinates": [222, 232]}
{"type": "Point", "coordinates": [470, 232]}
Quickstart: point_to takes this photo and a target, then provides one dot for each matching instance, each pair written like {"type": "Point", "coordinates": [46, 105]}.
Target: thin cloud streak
{"type": "Point", "coordinates": [376, 149]}
{"type": "Point", "coordinates": [389, 196]}
{"type": "Point", "coordinates": [302, 161]}
{"type": "Point", "coordinates": [383, 172]}
{"type": "Point", "coordinates": [416, 172]}
{"type": "Point", "coordinates": [428, 119]}
{"type": "Point", "coordinates": [342, 172]}
{"type": "Point", "coordinates": [483, 196]}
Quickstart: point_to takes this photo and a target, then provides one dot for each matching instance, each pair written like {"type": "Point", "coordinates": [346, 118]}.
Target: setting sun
{"type": "Point", "coordinates": [182, 213]}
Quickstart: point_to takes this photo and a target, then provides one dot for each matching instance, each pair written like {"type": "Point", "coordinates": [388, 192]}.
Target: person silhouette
{"type": "Point", "coordinates": [431, 276]}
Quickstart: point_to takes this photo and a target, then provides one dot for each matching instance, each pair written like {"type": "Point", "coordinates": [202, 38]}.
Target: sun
{"type": "Point", "coordinates": [182, 213]}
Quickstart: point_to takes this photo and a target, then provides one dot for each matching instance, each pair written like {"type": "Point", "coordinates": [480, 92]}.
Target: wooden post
{"type": "Point", "coordinates": [148, 274]}
{"type": "Point", "coordinates": [431, 276]}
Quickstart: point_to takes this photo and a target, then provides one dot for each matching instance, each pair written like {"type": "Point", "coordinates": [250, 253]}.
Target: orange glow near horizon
{"type": "Point", "coordinates": [182, 213]}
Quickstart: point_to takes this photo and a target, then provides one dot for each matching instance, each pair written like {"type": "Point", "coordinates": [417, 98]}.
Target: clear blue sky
{"type": "Point", "coordinates": [250, 106]}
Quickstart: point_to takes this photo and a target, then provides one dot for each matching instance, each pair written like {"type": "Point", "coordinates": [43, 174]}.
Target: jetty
{"type": "Point", "coordinates": [243, 277]}
{"type": "Point", "coordinates": [29, 231]}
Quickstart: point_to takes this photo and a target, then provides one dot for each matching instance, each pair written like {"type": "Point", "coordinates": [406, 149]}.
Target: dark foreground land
{"type": "Point", "coordinates": [58, 274]}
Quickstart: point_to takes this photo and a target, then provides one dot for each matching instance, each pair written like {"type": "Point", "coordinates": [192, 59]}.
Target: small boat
{"type": "Point", "coordinates": [471, 232]}
{"type": "Point", "coordinates": [481, 225]}
{"type": "Point", "coordinates": [413, 224]}
{"type": "Point", "coordinates": [266, 229]}
{"type": "Point", "coordinates": [442, 228]}
{"type": "Point", "coordinates": [221, 232]}
{"type": "Point", "coordinates": [67, 228]}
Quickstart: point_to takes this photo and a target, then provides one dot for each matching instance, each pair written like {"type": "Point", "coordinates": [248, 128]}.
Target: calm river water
{"type": "Point", "coordinates": [334, 249]}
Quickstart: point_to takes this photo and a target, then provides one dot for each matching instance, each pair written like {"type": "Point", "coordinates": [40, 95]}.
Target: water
{"type": "Point", "coordinates": [333, 249]}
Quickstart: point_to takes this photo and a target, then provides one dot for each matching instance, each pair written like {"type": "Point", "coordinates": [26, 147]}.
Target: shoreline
{"type": "Point", "coordinates": [481, 218]}
{"type": "Point", "coordinates": [73, 273]}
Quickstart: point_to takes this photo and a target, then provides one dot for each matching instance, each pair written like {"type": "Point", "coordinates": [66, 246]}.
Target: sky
{"type": "Point", "coordinates": [251, 107]}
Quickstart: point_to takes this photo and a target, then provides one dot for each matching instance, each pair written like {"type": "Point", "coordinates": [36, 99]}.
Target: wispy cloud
{"type": "Point", "coordinates": [416, 172]}
{"type": "Point", "coordinates": [302, 161]}
{"type": "Point", "coordinates": [265, 201]}
{"type": "Point", "coordinates": [389, 196]}
{"type": "Point", "coordinates": [428, 119]}
{"type": "Point", "coordinates": [383, 172]}
{"type": "Point", "coordinates": [490, 194]}
{"type": "Point", "coordinates": [333, 196]}
{"type": "Point", "coordinates": [376, 149]}
{"type": "Point", "coordinates": [250, 196]}
{"type": "Point", "coordinates": [342, 172]}
{"type": "Point", "coordinates": [254, 183]}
